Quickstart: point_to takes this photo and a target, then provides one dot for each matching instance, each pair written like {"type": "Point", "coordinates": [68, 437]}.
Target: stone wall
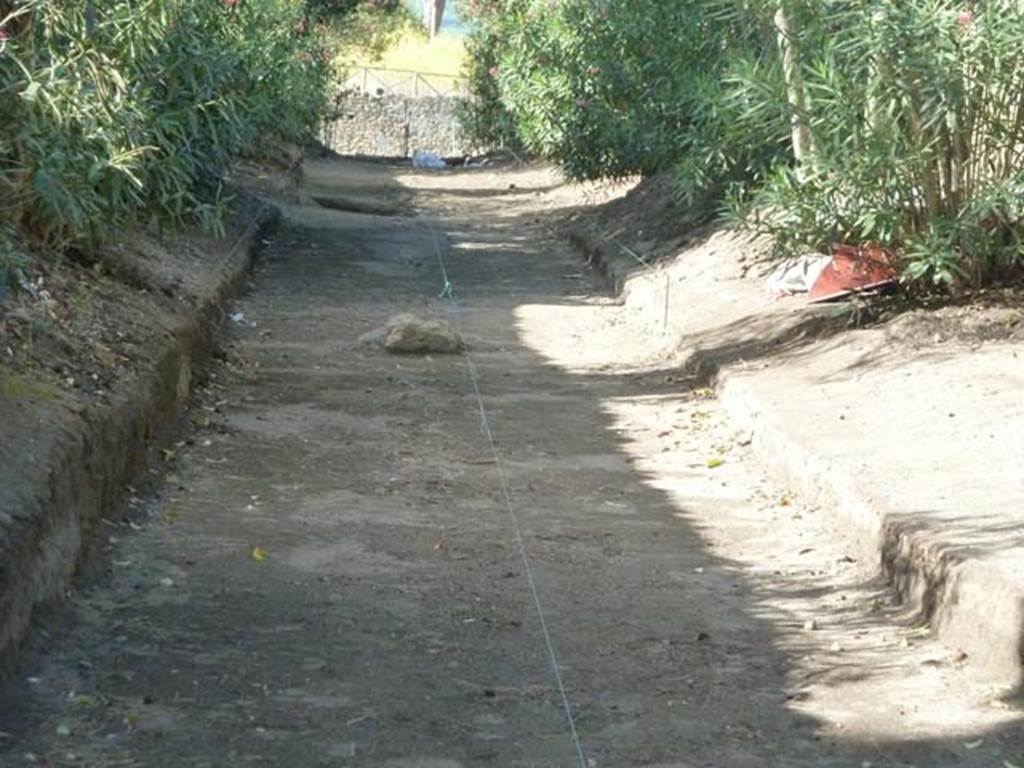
{"type": "Point", "coordinates": [396, 126]}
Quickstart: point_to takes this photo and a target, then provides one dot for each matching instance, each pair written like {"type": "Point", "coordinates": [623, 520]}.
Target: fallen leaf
{"type": "Point", "coordinates": [259, 554]}
{"type": "Point", "coordinates": [715, 463]}
{"type": "Point", "coordinates": [973, 744]}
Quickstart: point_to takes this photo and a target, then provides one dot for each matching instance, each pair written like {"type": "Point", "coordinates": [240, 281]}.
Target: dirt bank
{"type": "Point", "coordinates": [100, 354]}
{"type": "Point", "coordinates": [897, 415]}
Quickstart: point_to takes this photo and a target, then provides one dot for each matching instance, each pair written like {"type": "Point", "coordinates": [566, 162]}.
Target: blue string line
{"type": "Point", "coordinates": [448, 293]}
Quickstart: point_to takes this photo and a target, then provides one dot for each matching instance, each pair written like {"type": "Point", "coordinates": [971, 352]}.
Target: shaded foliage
{"type": "Point", "coordinates": [898, 122]}
{"type": "Point", "coordinates": [121, 110]}
{"type": "Point", "coordinates": [606, 89]}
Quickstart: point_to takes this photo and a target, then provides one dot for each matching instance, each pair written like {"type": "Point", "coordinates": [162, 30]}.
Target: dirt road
{"type": "Point", "coordinates": [329, 574]}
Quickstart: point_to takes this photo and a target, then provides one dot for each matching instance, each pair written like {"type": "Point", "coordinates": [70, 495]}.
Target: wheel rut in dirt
{"type": "Point", "coordinates": [328, 574]}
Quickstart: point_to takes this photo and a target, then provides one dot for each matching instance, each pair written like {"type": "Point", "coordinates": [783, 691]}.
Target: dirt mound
{"type": "Point", "coordinates": [994, 315]}
{"type": "Point", "coordinates": [648, 220]}
{"type": "Point", "coordinates": [647, 228]}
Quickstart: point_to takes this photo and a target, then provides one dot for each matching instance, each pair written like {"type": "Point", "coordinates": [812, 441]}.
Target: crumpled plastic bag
{"type": "Point", "coordinates": [421, 159]}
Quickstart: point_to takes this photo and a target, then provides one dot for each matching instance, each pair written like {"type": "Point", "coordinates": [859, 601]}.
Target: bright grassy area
{"type": "Point", "coordinates": [443, 55]}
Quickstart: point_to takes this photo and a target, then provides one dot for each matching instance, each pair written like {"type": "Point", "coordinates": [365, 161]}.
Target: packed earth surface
{"type": "Point", "coordinates": [544, 548]}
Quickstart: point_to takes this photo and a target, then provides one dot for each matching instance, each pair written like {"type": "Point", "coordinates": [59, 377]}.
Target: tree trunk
{"type": "Point", "coordinates": [803, 148]}
{"type": "Point", "coordinates": [433, 15]}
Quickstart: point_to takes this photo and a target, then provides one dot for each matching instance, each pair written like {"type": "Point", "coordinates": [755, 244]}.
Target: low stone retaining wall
{"type": "Point", "coordinates": [396, 126]}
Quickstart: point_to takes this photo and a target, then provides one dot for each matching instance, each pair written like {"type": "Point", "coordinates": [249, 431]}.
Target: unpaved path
{"type": "Point", "coordinates": [329, 574]}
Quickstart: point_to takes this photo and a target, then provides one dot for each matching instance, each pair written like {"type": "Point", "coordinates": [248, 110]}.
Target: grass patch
{"type": "Point", "coordinates": [14, 386]}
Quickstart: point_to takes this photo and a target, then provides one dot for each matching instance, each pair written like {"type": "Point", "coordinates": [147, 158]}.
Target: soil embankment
{"type": "Point", "coordinates": [901, 420]}
{"type": "Point", "coordinates": [101, 353]}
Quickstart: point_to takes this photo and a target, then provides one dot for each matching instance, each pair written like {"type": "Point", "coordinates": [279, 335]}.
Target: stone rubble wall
{"type": "Point", "coordinates": [396, 126]}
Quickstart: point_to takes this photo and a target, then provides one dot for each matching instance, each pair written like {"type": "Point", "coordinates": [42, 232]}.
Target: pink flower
{"type": "Point", "coordinates": [230, 3]}
{"type": "Point", "coordinates": [964, 18]}
{"type": "Point", "coordinates": [493, 71]}
{"type": "Point", "coordinates": [300, 27]}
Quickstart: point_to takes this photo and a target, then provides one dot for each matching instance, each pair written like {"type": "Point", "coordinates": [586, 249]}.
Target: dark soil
{"type": "Point", "coordinates": [990, 315]}
{"type": "Point", "coordinates": [87, 324]}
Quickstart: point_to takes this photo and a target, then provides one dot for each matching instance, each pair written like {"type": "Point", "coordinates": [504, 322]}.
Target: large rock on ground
{"type": "Point", "coordinates": [411, 335]}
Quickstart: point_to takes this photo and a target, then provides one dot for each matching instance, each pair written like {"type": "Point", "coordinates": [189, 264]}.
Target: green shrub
{"type": "Point", "coordinates": [915, 119]}
{"type": "Point", "coordinates": [898, 122]}
{"type": "Point", "coordinates": [735, 139]}
{"type": "Point", "coordinates": [483, 117]}
{"type": "Point", "coordinates": [605, 89]}
{"type": "Point", "coordinates": [120, 110]}
{"type": "Point", "coordinates": [366, 27]}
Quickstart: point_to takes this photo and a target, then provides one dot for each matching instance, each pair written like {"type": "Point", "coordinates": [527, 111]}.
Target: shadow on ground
{"type": "Point", "coordinates": [328, 575]}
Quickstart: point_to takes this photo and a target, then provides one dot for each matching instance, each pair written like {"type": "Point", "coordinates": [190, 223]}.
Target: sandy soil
{"type": "Point", "coordinates": [329, 574]}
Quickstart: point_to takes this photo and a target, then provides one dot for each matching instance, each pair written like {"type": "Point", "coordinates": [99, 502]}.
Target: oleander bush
{"type": "Point", "coordinates": [607, 89]}
{"type": "Point", "coordinates": [914, 116]}
{"type": "Point", "coordinates": [891, 122]}
{"type": "Point", "coordinates": [120, 111]}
